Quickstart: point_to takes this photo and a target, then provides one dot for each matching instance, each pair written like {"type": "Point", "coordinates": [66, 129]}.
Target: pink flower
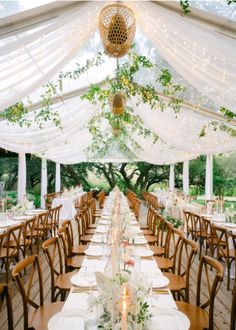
{"type": "Point", "coordinates": [130, 262]}
{"type": "Point", "coordinates": [126, 243]}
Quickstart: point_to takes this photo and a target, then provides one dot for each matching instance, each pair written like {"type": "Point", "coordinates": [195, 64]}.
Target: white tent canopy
{"type": "Point", "coordinates": [203, 57]}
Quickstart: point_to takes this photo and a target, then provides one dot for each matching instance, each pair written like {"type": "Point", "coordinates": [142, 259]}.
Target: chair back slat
{"type": "Point", "coordinates": [26, 275]}
{"type": "Point", "coordinates": [52, 251]}
{"type": "Point", "coordinates": [5, 296]}
{"type": "Point", "coordinates": [211, 273]}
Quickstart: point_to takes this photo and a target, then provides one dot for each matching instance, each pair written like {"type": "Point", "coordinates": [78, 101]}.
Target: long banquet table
{"type": "Point", "coordinates": [79, 298]}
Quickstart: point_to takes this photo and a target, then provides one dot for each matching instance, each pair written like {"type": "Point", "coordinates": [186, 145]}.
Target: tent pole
{"type": "Point", "coordinates": [44, 182]}
{"type": "Point", "coordinates": [21, 186]}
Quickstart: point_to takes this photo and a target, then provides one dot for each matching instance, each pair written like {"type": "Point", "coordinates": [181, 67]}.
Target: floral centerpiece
{"type": "Point", "coordinates": [121, 302]}
{"type": "Point", "coordinates": [20, 208]}
{"type": "Point", "coordinates": [230, 214]}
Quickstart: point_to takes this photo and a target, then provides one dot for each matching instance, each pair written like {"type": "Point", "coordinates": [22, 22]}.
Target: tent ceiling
{"type": "Point", "coordinates": [36, 54]}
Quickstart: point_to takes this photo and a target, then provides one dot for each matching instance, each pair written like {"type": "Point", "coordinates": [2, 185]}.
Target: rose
{"type": "Point", "coordinates": [130, 262]}
{"type": "Point", "coordinates": [126, 243]}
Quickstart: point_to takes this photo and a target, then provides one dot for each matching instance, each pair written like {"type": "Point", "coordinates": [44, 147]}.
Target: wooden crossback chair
{"type": "Point", "coordinates": [187, 217]}
{"type": "Point", "coordinates": [9, 247]}
{"type": "Point", "coordinates": [233, 310]}
{"type": "Point", "coordinates": [53, 220]}
{"type": "Point", "coordinates": [60, 280]}
{"type": "Point", "coordinates": [179, 279]}
{"type": "Point", "coordinates": [197, 314]}
{"type": "Point", "coordinates": [76, 249]}
{"type": "Point", "coordinates": [211, 240]}
{"type": "Point", "coordinates": [223, 250]}
{"type": "Point", "coordinates": [5, 295]}
{"type": "Point", "coordinates": [27, 275]}
{"type": "Point", "coordinates": [71, 262]}
{"type": "Point", "coordinates": [233, 237]}
{"type": "Point", "coordinates": [159, 248]}
{"type": "Point", "coordinates": [172, 244]}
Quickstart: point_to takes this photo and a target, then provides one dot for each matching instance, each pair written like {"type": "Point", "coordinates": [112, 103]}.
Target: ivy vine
{"type": "Point", "coordinates": [186, 6]}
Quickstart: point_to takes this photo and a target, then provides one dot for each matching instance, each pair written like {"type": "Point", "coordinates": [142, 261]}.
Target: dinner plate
{"type": "Point", "coordinates": [37, 211]}
{"type": "Point", "coordinates": [21, 217]}
{"type": "Point", "coordinates": [230, 225]}
{"type": "Point", "coordinates": [205, 215]}
{"type": "Point", "coordinates": [159, 281]}
{"type": "Point", "coordinates": [96, 239]}
{"type": "Point", "coordinates": [94, 251]}
{"type": "Point", "coordinates": [70, 319]}
{"type": "Point", "coordinates": [104, 222]}
{"type": "Point", "coordinates": [169, 319]}
{"type": "Point", "coordinates": [80, 280]}
{"type": "Point", "coordinates": [6, 223]}
{"type": "Point", "coordinates": [102, 229]}
{"type": "Point", "coordinates": [140, 241]}
{"type": "Point", "coordinates": [143, 253]}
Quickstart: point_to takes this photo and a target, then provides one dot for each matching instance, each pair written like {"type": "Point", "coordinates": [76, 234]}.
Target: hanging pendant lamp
{"type": "Point", "coordinates": [117, 103]}
{"type": "Point", "coordinates": [117, 28]}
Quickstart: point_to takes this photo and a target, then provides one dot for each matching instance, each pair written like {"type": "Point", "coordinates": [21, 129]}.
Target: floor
{"type": "Point", "coordinates": [221, 310]}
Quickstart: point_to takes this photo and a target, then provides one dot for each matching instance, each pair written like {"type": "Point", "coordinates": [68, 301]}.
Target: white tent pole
{"type": "Point", "coordinates": [21, 187]}
{"type": "Point", "coordinates": [186, 177]}
{"type": "Point", "coordinates": [44, 182]}
{"type": "Point", "coordinates": [209, 177]}
{"type": "Point", "coordinates": [58, 178]}
{"type": "Point", "coordinates": [172, 178]}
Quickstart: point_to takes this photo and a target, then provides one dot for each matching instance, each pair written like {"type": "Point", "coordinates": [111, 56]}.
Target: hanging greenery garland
{"type": "Point", "coordinates": [121, 126]}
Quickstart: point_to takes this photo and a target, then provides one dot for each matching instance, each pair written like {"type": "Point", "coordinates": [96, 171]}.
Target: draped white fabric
{"type": "Point", "coordinates": [74, 114]}
{"type": "Point", "coordinates": [209, 177]}
{"type": "Point", "coordinates": [58, 177]}
{"type": "Point", "coordinates": [172, 178]}
{"type": "Point", "coordinates": [205, 58]}
{"type": "Point", "coordinates": [182, 130]}
{"type": "Point", "coordinates": [186, 177]}
{"type": "Point", "coordinates": [21, 183]}
{"type": "Point", "coordinates": [31, 59]}
{"type": "Point", "coordinates": [69, 145]}
{"type": "Point", "coordinates": [44, 182]}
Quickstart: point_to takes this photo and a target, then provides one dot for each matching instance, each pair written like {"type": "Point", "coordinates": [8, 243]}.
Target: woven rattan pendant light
{"type": "Point", "coordinates": [117, 28]}
{"type": "Point", "coordinates": [117, 103]}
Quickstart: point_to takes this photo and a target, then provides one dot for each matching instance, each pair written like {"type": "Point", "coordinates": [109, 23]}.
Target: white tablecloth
{"type": "Point", "coordinates": [147, 266]}
{"type": "Point", "coordinates": [68, 210]}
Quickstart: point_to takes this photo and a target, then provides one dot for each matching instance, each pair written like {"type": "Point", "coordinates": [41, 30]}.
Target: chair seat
{"type": "Point", "coordinates": [11, 252]}
{"type": "Point", "coordinates": [90, 231]}
{"type": "Point", "coordinates": [150, 239]}
{"type": "Point", "coordinates": [22, 242]}
{"type": "Point", "coordinates": [197, 316]}
{"type": "Point", "coordinates": [63, 281]}
{"type": "Point", "coordinates": [157, 250]}
{"type": "Point", "coordinates": [92, 226]}
{"type": "Point", "coordinates": [79, 249]}
{"type": "Point", "coordinates": [224, 253]}
{"type": "Point", "coordinates": [86, 238]}
{"type": "Point", "coordinates": [177, 282]}
{"type": "Point", "coordinates": [147, 232]}
{"type": "Point", "coordinates": [75, 262]}
{"type": "Point", "coordinates": [143, 227]}
{"type": "Point", "coordinates": [39, 318]}
{"type": "Point", "coordinates": [164, 263]}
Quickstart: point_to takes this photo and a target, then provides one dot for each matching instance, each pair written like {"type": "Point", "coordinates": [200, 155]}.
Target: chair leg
{"type": "Point", "coordinates": [228, 273]}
